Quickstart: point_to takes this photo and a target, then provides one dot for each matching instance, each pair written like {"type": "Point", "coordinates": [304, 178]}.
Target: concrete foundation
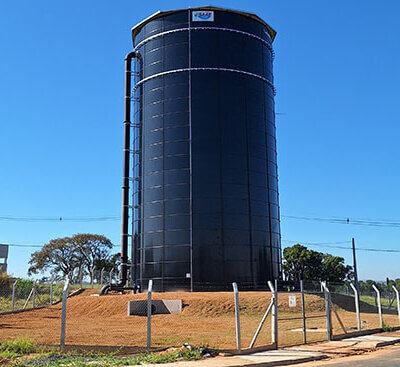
{"type": "Point", "coordinates": [165, 306]}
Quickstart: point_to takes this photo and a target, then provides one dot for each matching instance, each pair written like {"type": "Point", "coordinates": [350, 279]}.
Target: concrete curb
{"type": "Point", "coordinates": [287, 362]}
{"type": "Point", "coordinates": [362, 333]}
{"type": "Point", "coordinates": [240, 362]}
{"type": "Point", "coordinates": [386, 344]}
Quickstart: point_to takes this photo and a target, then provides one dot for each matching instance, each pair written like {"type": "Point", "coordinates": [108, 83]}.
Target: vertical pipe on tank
{"type": "Point", "coordinates": [125, 179]}
{"type": "Point", "coordinates": [190, 151]}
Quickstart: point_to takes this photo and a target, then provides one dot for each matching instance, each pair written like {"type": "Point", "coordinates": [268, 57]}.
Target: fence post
{"type": "Point", "coordinates": [13, 295]}
{"type": "Point", "coordinates": [101, 276]}
{"type": "Point", "coordinates": [81, 275]}
{"type": "Point", "coordinates": [34, 294]}
{"type": "Point", "coordinates": [274, 314]}
{"type": "Point", "coordinates": [357, 303]}
{"type": "Point", "coordinates": [303, 312]}
{"type": "Point", "coordinates": [149, 290]}
{"type": "Point", "coordinates": [64, 313]}
{"type": "Point", "coordinates": [378, 297]}
{"type": "Point", "coordinates": [261, 324]}
{"type": "Point", "coordinates": [397, 300]}
{"type": "Point", "coordinates": [92, 280]}
{"type": "Point", "coordinates": [237, 316]}
{"type": "Point", "coordinates": [328, 311]}
{"type": "Point", "coordinates": [51, 291]}
{"type": "Point", "coordinates": [27, 300]}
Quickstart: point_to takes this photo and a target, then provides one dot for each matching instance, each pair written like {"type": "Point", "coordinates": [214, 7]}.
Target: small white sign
{"type": "Point", "coordinates": [187, 275]}
{"type": "Point", "coordinates": [292, 300]}
{"type": "Point", "coordinates": [203, 16]}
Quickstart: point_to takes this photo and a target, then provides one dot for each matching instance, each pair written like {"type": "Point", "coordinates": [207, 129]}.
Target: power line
{"type": "Point", "coordinates": [395, 223]}
{"type": "Point", "coordinates": [315, 244]}
{"type": "Point", "coordinates": [30, 245]}
{"type": "Point", "coordinates": [319, 243]}
{"type": "Point", "coordinates": [19, 245]}
{"type": "Point", "coordinates": [353, 221]}
{"type": "Point", "coordinates": [59, 219]}
{"type": "Point", "coordinates": [332, 245]}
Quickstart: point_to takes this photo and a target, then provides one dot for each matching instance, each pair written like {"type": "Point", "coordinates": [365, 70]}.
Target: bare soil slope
{"type": "Point", "coordinates": [207, 319]}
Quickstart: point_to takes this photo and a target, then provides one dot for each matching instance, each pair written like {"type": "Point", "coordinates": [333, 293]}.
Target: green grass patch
{"type": "Point", "coordinates": [59, 360]}
{"type": "Point", "coordinates": [19, 347]}
{"type": "Point", "coordinates": [387, 327]}
{"type": "Point", "coordinates": [371, 300]}
{"type": "Point", "coordinates": [24, 353]}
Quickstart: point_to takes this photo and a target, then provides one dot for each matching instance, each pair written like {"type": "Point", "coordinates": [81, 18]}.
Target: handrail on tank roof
{"type": "Point", "coordinates": [137, 28]}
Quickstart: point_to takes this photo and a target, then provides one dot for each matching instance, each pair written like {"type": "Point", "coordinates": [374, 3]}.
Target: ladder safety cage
{"type": "Point", "coordinates": [135, 180]}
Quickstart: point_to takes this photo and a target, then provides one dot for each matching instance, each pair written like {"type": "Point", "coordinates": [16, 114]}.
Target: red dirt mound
{"type": "Point", "coordinates": [207, 319]}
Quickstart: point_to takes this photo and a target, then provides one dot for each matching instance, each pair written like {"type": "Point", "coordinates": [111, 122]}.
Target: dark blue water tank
{"type": "Point", "coordinates": [207, 192]}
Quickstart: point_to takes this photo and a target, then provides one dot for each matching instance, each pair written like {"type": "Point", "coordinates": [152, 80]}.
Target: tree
{"type": "Point", "coordinates": [334, 269]}
{"type": "Point", "coordinates": [110, 263]}
{"type": "Point", "coordinates": [5, 280]}
{"type": "Point", "coordinates": [366, 286]}
{"type": "Point", "coordinates": [59, 255]}
{"type": "Point", "coordinates": [91, 248]}
{"type": "Point", "coordinates": [302, 263]}
{"type": "Point", "coordinates": [64, 255]}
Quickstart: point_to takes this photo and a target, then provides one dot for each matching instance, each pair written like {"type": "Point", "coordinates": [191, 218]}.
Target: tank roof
{"type": "Point", "coordinates": [136, 29]}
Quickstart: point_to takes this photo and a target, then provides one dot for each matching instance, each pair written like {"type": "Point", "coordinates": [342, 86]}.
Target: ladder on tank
{"type": "Point", "coordinates": [134, 234]}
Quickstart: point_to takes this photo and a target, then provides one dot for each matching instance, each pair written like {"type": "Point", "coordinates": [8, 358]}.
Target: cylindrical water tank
{"type": "Point", "coordinates": [207, 187]}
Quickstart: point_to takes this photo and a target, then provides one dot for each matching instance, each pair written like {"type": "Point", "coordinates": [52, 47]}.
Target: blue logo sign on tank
{"type": "Point", "coordinates": [203, 16]}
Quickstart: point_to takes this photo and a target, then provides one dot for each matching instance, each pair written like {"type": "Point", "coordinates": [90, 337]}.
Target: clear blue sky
{"type": "Point", "coordinates": [61, 109]}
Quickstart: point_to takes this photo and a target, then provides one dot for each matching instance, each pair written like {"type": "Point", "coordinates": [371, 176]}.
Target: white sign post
{"type": "Point", "coordinates": [292, 300]}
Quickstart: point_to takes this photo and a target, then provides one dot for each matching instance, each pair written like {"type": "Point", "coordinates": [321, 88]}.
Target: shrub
{"type": "Point", "coordinates": [5, 280]}
{"type": "Point", "coordinates": [24, 287]}
{"type": "Point", "coordinates": [386, 327]}
{"type": "Point", "coordinates": [18, 346]}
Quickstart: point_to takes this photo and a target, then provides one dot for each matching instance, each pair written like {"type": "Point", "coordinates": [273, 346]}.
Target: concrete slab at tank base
{"type": "Point", "coordinates": [165, 306]}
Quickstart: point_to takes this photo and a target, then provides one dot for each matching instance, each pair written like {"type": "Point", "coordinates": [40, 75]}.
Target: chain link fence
{"type": "Point", "coordinates": [375, 309]}
{"type": "Point", "coordinates": [22, 294]}
{"type": "Point", "coordinates": [278, 314]}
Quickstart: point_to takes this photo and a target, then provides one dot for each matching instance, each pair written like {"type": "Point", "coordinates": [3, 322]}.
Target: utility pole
{"type": "Point", "coordinates": [355, 266]}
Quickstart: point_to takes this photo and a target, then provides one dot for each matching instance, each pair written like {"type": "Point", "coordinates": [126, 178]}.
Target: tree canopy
{"type": "Point", "coordinates": [301, 263]}
{"type": "Point", "coordinates": [383, 286]}
{"type": "Point", "coordinates": [65, 255]}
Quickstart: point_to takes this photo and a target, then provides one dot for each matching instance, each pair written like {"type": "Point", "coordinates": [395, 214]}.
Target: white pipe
{"type": "Point", "coordinates": [149, 290]}
{"type": "Point", "coordinates": [397, 300]}
{"type": "Point", "coordinates": [378, 296]}
{"type": "Point", "coordinates": [357, 303]}
{"type": "Point", "coordinates": [237, 315]}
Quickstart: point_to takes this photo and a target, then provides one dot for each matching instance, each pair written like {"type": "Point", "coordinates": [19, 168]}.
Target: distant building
{"type": "Point", "coordinates": [3, 258]}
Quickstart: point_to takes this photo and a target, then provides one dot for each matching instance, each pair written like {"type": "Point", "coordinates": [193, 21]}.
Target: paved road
{"type": "Point", "coordinates": [387, 357]}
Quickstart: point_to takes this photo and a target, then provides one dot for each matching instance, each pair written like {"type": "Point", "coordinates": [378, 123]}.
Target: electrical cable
{"type": "Point", "coordinates": [354, 221]}
{"type": "Point", "coordinates": [335, 220]}
{"type": "Point", "coordinates": [29, 245]}
{"type": "Point", "coordinates": [59, 219]}
{"type": "Point", "coordinates": [331, 245]}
